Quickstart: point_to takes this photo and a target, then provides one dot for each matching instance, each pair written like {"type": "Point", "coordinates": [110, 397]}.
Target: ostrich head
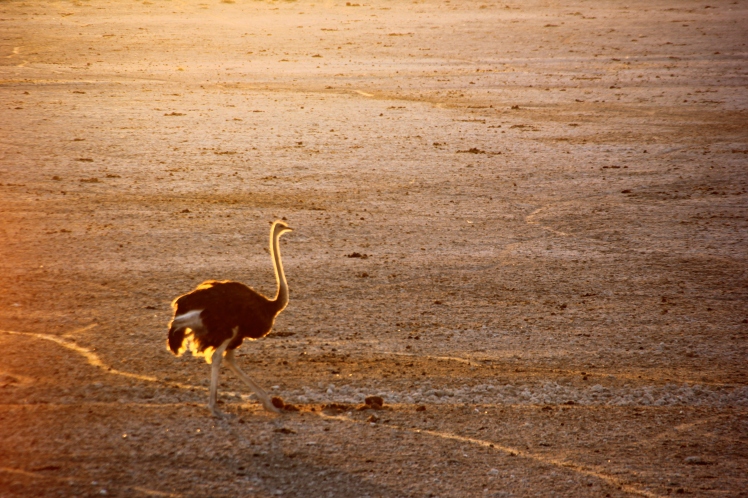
{"type": "Point", "coordinates": [280, 227]}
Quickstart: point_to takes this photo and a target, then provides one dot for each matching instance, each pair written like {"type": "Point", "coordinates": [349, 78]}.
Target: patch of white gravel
{"type": "Point", "coordinates": [548, 393]}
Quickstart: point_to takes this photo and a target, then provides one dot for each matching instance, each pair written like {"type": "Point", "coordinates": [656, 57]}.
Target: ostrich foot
{"type": "Point", "coordinates": [222, 415]}
{"type": "Point", "coordinates": [216, 413]}
{"type": "Point", "coordinates": [275, 405]}
{"type": "Point", "coordinates": [272, 409]}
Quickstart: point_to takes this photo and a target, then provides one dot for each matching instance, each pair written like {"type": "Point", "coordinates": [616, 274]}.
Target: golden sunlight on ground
{"type": "Point", "coordinates": [521, 225]}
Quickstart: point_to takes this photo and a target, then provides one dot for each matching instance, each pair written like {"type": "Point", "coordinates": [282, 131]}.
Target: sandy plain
{"type": "Point", "coordinates": [551, 198]}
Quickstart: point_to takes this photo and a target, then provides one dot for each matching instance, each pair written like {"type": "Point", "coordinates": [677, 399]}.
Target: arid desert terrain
{"type": "Point", "coordinates": [523, 225]}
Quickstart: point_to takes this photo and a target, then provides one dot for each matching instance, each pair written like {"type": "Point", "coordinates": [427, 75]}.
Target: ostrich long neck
{"type": "Point", "coordinates": [281, 298]}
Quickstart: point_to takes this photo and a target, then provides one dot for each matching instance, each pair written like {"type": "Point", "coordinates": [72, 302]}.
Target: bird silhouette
{"type": "Point", "coordinates": [215, 318]}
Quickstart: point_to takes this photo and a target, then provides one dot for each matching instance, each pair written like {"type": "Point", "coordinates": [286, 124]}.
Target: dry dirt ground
{"type": "Point", "coordinates": [551, 199]}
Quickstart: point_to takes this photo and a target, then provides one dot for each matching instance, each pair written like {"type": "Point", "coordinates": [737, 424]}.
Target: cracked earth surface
{"type": "Point", "coordinates": [550, 199]}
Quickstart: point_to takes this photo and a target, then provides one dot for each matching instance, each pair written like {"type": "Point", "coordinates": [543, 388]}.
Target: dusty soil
{"type": "Point", "coordinates": [551, 198]}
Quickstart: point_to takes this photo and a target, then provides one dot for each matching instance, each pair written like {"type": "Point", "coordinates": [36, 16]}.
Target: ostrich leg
{"type": "Point", "coordinates": [215, 367]}
{"type": "Point", "coordinates": [260, 392]}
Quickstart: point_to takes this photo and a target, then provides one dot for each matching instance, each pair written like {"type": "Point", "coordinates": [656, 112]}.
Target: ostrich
{"type": "Point", "coordinates": [214, 319]}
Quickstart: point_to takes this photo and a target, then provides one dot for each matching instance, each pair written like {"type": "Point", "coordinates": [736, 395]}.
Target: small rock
{"type": "Point", "coordinates": [493, 472]}
{"type": "Point", "coordinates": [472, 150]}
{"type": "Point", "coordinates": [375, 402]}
{"type": "Point", "coordinates": [278, 402]}
{"type": "Point", "coordinates": [337, 407]}
{"type": "Point", "coordinates": [695, 460]}
{"type": "Point", "coordinates": [373, 419]}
